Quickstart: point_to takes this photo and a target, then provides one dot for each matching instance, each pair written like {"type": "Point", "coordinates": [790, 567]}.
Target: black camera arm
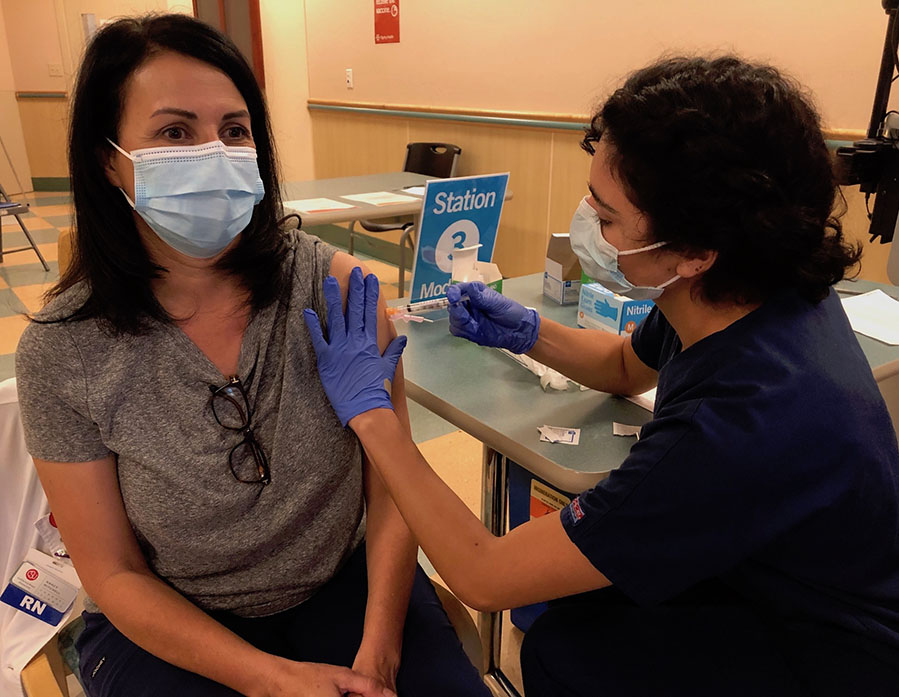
{"type": "Point", "coordinates": [873, 163]}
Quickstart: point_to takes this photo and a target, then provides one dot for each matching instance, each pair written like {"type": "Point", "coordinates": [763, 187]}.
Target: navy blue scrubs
{"type": "Point", "coordinates": [752, 534]}
{"type": "Point", "coordinates": [326, 628]}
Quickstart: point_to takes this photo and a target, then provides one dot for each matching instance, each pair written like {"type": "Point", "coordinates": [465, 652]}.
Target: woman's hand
{"type": "Point", "coordinates": [491, 319]}
{"type": "Point", "coordinates": [350, 365]}
{"type": "Point", "coordinates": [382, 665]}
{"type": "Point", "coordinates": [285, 678]}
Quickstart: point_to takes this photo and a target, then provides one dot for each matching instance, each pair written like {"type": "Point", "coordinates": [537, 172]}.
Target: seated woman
{"type": "Point", "coordinates": [214, 507]}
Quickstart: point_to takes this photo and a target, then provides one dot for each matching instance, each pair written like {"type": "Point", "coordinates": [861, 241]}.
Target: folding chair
{"type": "Point", "coordinates": [9, 207]}
{"type": "Point", "coordinates": [431, 159]}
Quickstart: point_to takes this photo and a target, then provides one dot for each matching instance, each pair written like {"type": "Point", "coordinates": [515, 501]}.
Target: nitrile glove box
{"type": "Point", "coordinates": [600, 308]}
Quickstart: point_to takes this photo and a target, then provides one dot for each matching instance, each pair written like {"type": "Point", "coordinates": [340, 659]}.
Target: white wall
{"type": "Point", "coordinates": [560, 57]}
{"type": "Point", "coordinates": [10, 123]}
{"type": "Point", "coordinates": [50, 32]}
{"type": "Point", "coordinates": [286, 84]}
{"type": "Point", "coordinates": [34, 45]}
{"type": "Point", "coordinates": [71, 30]}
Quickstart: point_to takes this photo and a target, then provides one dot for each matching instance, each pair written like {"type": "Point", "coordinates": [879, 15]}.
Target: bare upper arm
{"type": "Point", "coordinates": [87, 505]}
{"type": "Point", "coordinates": [341, 265]}
{"type": "Point", "coordinates": [534, 562]}
{"type": "Point", "coordinates": [639, 376]}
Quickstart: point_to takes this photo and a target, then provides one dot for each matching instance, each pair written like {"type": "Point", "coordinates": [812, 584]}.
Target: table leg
{"type": "Point", "coordinates": [494, 502]}
{"type": "Point", "coordinates": [404, 240]}
{"type": "Point", "coordinates": [352, 246]}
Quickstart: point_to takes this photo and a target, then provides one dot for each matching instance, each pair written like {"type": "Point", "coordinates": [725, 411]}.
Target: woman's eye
{"type": "Point", "coordinates": [237, 132]}
{"type": "Point", "coordinates": [174, 133]}
{"type": "Point", "coordinates": [599, 219]}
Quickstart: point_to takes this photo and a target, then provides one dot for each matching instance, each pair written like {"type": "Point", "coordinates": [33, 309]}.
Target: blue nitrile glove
{"type": "Point", "coordinates": [350, 365]}
{"type": "Point", "coordinates": [491, 319]}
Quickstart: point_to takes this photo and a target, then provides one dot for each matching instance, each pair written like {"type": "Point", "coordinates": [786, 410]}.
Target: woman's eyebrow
{"type": "Point", "coordinates": [599, 200]}
{"type": "Point", "coordinates": [177, 112]}
{"type": "Point", "coordinates": [191, 115]}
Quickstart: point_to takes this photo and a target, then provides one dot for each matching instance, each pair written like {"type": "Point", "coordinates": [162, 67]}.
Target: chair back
{"type": "Point", "coordinates": [65, 249]}
{"type": "Point", "coordinates": [432, 159]}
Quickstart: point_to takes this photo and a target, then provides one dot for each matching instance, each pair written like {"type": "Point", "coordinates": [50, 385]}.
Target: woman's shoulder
{"type": "Point", "coordinates": [50, 323]}
{"type": "Point", "coordinates": [65, 303]}
{"type": "Point", "coordinates": [304, 245]}
{"type": "Point", "coordinates": [48, 351]}
{"type": "Point", "coordinates": [57, 326]}
{"type": "Point", "coordinates": [309, 257]}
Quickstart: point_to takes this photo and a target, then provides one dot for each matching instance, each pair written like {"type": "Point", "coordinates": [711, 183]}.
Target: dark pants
{"type": "Point", "coordinates": [327, 628]}
{"type": "Point", "coordinates": [706, 643]}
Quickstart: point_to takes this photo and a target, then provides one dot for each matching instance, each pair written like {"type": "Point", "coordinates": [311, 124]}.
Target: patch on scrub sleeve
{"type": "Point", "coordinates": [575, 511]}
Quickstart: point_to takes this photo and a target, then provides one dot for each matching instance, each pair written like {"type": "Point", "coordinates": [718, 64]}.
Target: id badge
{"type": "Point", "coordinates": [42, 587]}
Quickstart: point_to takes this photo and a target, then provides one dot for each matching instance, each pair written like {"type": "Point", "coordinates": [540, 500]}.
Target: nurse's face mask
{"type": "Point", "coordinates": [599, 257]}
{"type": "Point", "coordinates": [197, 199]}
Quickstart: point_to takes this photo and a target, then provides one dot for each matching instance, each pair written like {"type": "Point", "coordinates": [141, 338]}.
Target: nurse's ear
{"type": "Point", "coordinates": [696, 263]}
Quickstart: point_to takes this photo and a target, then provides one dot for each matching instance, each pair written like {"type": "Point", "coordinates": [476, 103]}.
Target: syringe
{"type": "Point", "coordinates": [419, 308]}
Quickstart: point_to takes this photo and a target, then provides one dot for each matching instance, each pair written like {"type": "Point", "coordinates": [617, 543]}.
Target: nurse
{"type": "Point", "coordinates": [749, 543]}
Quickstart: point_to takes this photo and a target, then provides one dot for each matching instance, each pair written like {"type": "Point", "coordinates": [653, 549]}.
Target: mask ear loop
{"type": "Point", "coordinates": [642, 249]}
{"type": "Point", "coordinates": [671, 280]}
{"type": "Point", "coordinates": [620, 253]}
{"type": "Point", "coordinates": [133, 159]}
{"type": "Point", "coordinates": [667, 283]}
{"type": "Point", "coordinates": [124, 152]}
{"type": "Point", "coordinates": [647, 248]}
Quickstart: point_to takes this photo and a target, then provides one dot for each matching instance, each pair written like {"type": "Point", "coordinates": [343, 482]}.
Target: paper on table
{"type": "Point", "coordinates": [647, 400]}
{"type": "Point", "coordinates": [381, 198]}
{"type": "Point", "coordinates": [417, 190]}
{"type": "Point", "coordinates": [548, 376]}
{"type": "Point", "coordinates": [625, 430]}
{"type": "Point", "coordinates": [560, 434]}
{"type": "Point", "coordinates": [317, 205]}
{"type": "Point", "coordinates": [874, 314]}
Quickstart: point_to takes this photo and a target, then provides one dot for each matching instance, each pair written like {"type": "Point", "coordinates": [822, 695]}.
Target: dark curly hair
{"type": "Point", "coordinates": [724, 155]}
{"type": "Point", "coordinates": [108, 254]}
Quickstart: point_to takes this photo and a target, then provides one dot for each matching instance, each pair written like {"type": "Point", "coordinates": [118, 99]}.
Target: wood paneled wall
{"type": "Point", "coordinates": [45, 124]}
{"type": "Point", "coordinates": [548, 174]}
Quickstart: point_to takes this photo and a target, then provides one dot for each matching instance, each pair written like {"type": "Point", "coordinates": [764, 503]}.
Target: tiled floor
{"type": "Point", "coordinates": [454, 455]}
{"type": "Point", "coordinates": [22, 278]}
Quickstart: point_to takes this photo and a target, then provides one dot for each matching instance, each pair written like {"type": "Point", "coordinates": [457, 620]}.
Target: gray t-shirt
{"type": "Point", "coordinates": [225, 545]}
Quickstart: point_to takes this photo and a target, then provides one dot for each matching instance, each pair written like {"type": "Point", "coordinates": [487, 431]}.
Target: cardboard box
{"type": "Point", "coordinates": [562, 273]}
{"type": "Point", "coordinates": [600, 308]}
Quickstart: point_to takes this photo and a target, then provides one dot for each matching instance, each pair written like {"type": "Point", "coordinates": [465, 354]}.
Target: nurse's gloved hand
{"type": "Point", "coordinates": [350, 364]}
{"type": "Point", "coordinates": [491, 319]}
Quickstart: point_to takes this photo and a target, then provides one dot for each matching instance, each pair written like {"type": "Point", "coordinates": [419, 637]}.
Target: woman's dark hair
{"type": "Point", "coordinates": [108, 254]}
{"type": "Point", "coordinates": [728, 156]}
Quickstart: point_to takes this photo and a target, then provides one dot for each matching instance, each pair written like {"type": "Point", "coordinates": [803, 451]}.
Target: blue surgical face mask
{"type": "Point", "coordinates": [196, 198]}
{"type": "Point", "coordinates": [599, 257]}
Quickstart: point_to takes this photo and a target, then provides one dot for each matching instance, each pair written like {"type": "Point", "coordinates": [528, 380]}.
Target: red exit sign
{"type": "Point", "coordinates": [387, 21]}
